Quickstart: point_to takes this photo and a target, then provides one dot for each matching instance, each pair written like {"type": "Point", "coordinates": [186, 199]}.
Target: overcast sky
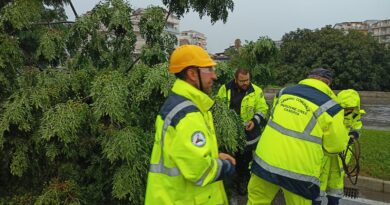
{"type": "Point", "coordinates": [273, 18]}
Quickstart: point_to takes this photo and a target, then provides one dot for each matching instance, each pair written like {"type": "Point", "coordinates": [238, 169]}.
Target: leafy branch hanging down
{"type": "Point", "coordinates": [215, 9]}
{"type": "Point", "coordinates": [76, 124]}
{"type": "Point", "coordinates": [228, 127]}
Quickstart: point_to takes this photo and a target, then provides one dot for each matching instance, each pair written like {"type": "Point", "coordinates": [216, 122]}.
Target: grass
{"type": "Point", "coordinates": [375, 154]}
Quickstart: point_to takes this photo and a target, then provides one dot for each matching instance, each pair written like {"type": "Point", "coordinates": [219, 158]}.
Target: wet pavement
{"type": "Point", "coordinates": [241, 200]}
{"type": "Point", "coordinates": [376, 117]}
{"type": "Point", "coordinates": [359, 201]}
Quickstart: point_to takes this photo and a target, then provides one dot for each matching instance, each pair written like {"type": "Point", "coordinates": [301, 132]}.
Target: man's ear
{"type": "Point", "coordinates": [192, 75]}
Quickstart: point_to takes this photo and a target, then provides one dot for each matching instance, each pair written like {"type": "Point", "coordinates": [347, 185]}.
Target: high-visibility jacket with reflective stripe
{"type": "Point", "coordinates": [350, 99]}
{"type": "Point", "coordinates": [332, 173]}
{"type": "Point", "coordinates": [184, 165]}
{"type": "Point", "coordinates": [332, 177]}
{"type": "Point", "coordinates": [253, 105]}
{"type": "Point", "coordinates": [305, 120]}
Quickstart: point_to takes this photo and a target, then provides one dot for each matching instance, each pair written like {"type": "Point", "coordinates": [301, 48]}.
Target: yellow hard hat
{"type": "Point", "coordinates": [189, 55]}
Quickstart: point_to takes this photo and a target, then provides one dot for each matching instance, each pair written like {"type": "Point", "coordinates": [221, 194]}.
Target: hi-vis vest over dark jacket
{"type": "Point", "coordinates": [184, 166]}
{"type": "Point", "coordinates": [253, 105]}
{"type": "Point", "coordinates": [304, 122]}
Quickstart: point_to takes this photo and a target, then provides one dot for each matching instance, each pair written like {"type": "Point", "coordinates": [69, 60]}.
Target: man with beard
{"type": "Point", "coordinates": [247, 100]}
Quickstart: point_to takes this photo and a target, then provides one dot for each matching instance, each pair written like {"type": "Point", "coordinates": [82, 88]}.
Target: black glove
{"type": "Point", "coordinates": [354, 135]}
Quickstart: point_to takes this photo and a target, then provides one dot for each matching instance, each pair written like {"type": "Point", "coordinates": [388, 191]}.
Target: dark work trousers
{"type": "Point", "coordinates": [243, 159]}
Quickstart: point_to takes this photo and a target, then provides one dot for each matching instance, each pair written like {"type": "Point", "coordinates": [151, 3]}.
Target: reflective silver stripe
{"type": "Point", "coordinates": [261, 114]}
{"type": "Point", "coordinates": [335, 192]}
{"type": "Point", "coordinates": [322, 194]}
{"type": "Point", "coordinates": [257, 118]}
{"type": "Point", "coordinates": [280, 92]}
{"type": "Point", "coordinates": [320, 197]}
{"type": "Point", "coordinates": [171, 114]}
{"type": "Point", "coordinates": [313, 121]}
{"type": "Point", "coordinates": [160, 168]}
{"type": "Point", "coordinates": [277, 101]}
{"type": "Point", "coordinates": [324, 107]}
{"type": "Point", "coordinates": [293, 133]}
{"type": "Point", "coordinates": [219, 169]}
{"type": "Point", "coordinates": [309, 127]}
{"type": "Point", "coordinates": [251, 142]}
{"type": "Point", "coordinates": [201, 180]}
{"type": "Point", "coordinates": [285, 173]}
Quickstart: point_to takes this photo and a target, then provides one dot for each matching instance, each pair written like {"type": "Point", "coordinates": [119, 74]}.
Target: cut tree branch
{"type": "Point", "coordinates": [52, 23]}
{"type": "Point", "coordinates": [73, 9]}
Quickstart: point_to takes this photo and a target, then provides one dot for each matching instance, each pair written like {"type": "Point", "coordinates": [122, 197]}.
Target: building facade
{"type": "Point", "coordinates": [194, 38]}
{"type": "Point", "coordinates": [381, 31]}
{"type": "Point", "coordinates": [358, 26]}
{"type": "Point", "coordinates": [172, 26]}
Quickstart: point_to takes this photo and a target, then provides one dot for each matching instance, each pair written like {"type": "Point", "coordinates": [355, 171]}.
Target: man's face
{"type": "Point", "coordinates": [207, 76]}
{"type": "Point", "coordinates": [243, 81]}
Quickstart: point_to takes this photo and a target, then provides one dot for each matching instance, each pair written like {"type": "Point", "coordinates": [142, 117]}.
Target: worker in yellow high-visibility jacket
{"type": "Point", "coordinates": [304, 120]}
{"type": "Point", "coordinates": [247, 100]}
{"type": "Point", "coordinates": [185, 165]}
{"type": "Point", "coordinates": [332, 172]}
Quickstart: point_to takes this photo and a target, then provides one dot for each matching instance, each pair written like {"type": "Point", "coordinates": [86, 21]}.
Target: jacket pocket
{"type": "Point", "coordinates": [203, 198]}
{"type": "Point", "coordinates": [210, 196]}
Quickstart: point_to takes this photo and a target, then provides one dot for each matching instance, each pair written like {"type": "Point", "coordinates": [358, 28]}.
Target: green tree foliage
{"type": "Point", "coordinates": [228, 124]}
{"type": "Point", "coordinates": [76, 113]}
{"type": "Point", "coordinates": [215, 9]}
{"type": "Point", "coordinates": [229, 128]}
{"type": "Point", "coordinates": [158, 42]}
{"type": "Point", "coordinates": [259, 57]}
{"type": "Point", "coordinates": [105, 36]}
{"type": "Point", "coordinates": [357, 59]}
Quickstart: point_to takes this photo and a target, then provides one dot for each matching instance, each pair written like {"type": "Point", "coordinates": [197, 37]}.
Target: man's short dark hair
{"type": "Point", "coordinates": [182, 74]}
{"type": "Point", "coordinates": [241, 71]}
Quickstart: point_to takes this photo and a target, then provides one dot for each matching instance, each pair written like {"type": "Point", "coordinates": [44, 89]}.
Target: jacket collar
{"type": "Point", "coordinates": [320, 86]}
{"type": "Point", "coordinates": [232, 85]}
{"type": "Point", "coordinates": [199, 98]}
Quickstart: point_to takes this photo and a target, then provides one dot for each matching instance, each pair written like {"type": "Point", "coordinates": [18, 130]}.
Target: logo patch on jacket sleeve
{"type": "Point", "coordinates": [198, 139]}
